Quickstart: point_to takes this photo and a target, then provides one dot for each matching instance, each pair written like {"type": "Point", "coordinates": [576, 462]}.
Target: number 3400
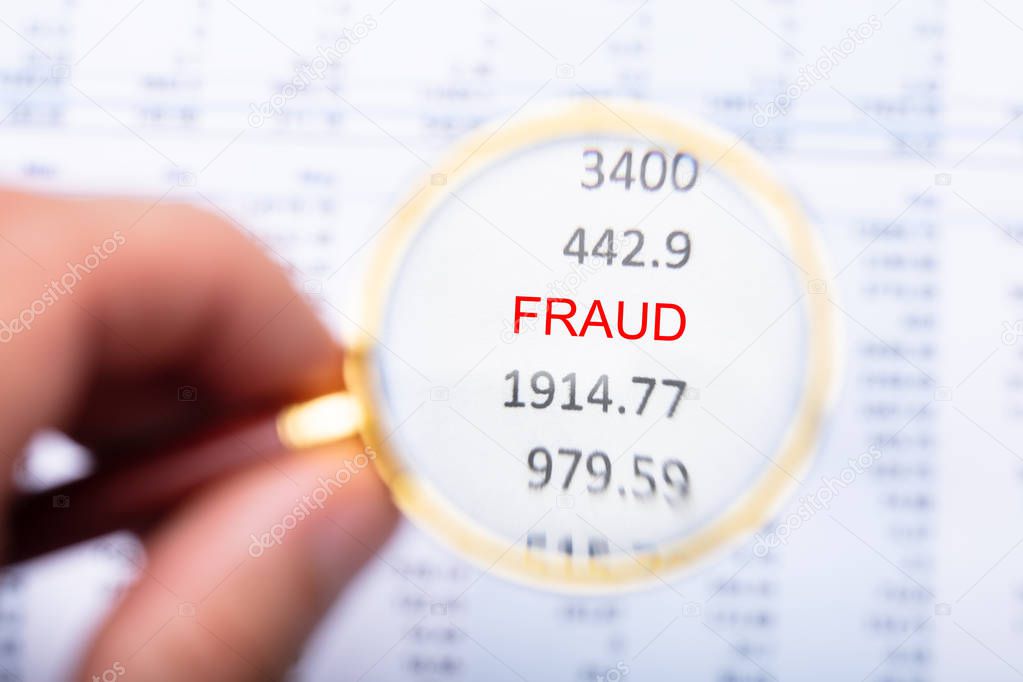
{"type": "Point", "coordinates": [652, 170]}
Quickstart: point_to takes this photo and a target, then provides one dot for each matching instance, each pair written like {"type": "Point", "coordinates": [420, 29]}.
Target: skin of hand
{"type": "Point", "coordinates": [127, 322]}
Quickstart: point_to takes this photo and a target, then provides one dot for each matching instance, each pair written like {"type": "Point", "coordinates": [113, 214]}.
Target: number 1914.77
{"type": "Point", "coordinates": [544, 388]}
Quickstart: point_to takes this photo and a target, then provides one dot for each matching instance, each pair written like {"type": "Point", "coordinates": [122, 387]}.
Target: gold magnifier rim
{"type": "Point", "coordinates": [751, 511]}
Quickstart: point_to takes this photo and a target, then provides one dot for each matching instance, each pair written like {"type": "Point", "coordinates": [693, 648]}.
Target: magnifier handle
{"type": "Point", "coordinates": [136, 495]}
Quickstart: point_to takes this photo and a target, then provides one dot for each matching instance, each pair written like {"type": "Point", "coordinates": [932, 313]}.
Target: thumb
{"type": "Point", "coordinates": [236, 580]}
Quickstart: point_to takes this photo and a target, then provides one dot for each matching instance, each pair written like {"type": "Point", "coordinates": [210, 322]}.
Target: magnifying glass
{"type": "Point", "coordinates": [595, 348]}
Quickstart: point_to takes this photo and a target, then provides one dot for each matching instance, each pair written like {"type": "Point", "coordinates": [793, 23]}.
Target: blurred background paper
{"type": "Point", "coordinates": [896, 125]}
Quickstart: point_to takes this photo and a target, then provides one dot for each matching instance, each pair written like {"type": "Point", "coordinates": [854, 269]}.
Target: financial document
{"type": "Point", "coordinates": [894, 123]}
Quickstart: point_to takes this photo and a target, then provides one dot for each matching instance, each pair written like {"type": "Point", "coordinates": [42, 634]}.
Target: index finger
{"type": "Point", "coordinates": [109, 306]}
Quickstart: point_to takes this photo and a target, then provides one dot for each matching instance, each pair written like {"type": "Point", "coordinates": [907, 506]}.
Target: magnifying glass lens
{"type": "Point", "coordinates": [595, 349]}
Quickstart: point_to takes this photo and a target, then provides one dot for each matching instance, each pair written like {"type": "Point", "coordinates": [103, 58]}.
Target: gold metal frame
{"type": "Point", "coordinates": [424, 504]}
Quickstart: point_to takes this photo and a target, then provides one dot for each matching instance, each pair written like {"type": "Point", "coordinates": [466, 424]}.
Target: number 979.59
{"type": "Point", "coordinates": [647, 478]}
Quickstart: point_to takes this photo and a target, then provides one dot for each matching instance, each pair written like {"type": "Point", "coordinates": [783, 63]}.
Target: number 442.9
{"type": "Point", "coordinates": [608, 246]}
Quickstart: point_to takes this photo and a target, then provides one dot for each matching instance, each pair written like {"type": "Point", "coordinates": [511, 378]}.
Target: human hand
{"type": "Point", "coordinates": [108, 308]}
